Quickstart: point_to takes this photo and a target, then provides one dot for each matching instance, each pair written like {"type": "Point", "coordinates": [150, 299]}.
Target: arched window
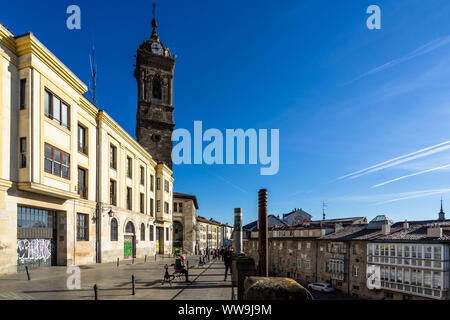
{"type": "Point", "coordinates": [129, 227]}
{"type": "Point", "coordinates": [156, 88]}
{"type": "Point", "coordinates": [151, 233]}
{"type": "Point", "coordinates": [142, 232]}
{"type": "Point", "coordinates": [114, 230]}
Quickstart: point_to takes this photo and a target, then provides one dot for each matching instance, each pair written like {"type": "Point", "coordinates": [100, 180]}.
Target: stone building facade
{"type": "Point", "coordinates": [411, 260]}
{"type": "Point", "coordinates": [75, 187]}
{"type": "Point", "coordinates": [185, 208]}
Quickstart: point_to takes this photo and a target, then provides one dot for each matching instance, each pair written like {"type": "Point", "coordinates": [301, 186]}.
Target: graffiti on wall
{"type": "Point", "coordinates": [33, 250]}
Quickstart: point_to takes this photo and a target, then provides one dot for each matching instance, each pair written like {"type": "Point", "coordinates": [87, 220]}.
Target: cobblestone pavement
{"type": "Point", "coordinates": [115, 282]}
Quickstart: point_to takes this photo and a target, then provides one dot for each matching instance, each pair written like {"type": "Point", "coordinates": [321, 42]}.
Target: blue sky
{"type": "Point", "coordinates": [345, 98]}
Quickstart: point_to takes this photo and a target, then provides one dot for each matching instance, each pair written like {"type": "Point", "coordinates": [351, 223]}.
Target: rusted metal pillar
{"type": "Point", "coordinates": [237, 239]}
{"type": "Point", "coordinates": [263, 246]}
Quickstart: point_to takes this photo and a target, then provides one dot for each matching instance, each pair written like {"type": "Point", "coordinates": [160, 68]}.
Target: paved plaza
{"type": "Point", "coordinates": [114, 283]}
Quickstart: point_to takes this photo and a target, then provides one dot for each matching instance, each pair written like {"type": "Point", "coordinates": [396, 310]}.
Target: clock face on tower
{"type": "Point", "coordinates": [157, 48]}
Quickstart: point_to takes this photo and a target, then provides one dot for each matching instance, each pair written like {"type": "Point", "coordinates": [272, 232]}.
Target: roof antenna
{"type": "Point", "coordinates": [324, 205]}
{"type": "Point", "coordinates": [93, 75]}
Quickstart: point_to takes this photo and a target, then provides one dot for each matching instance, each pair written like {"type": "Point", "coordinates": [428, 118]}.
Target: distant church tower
{"type": "Point", "coordinates": [441, 213]}
{"type": "Point", "coordinates": [154, 76]}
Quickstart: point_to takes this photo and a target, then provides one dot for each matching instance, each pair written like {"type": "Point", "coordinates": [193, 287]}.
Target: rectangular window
{"type": "Point", "coordinates": [113, 157]}
{"type": "Point", "coordinates": [129, 197]}
{"type": "Point", "coordinates": [152, 186]}
{"type": "Point", "coordinates": [407, 276]}
{"type": "Point", "coordinates": [82, 146]}
{"type": "Point", "coordinates": [158, 183]}
{"type": "Point", "coordinates": [158, 205]}
{"type": "Point", "coordinates": [308, 264]}
{"type": "Point", "coordinates": [56, 162]}
{"type": "Point", "coordinates": [355, 271]}
{"type": "Point", "coordinates": [166, 185]}
{"type": "Point", "coordinates": [112, 192]}
{"type": "Point", "coordinates": [82, 227]}
{"type": "Point", "coordinates": [151, 207]}
{"type": "Point", "coordinates": [23, 93]}
{"type": "Point", "coordinates": [56, 109]}
{"type": "Point", "coordinates": [129, 167]}
{"type": "Point", "coordinates": [142, 175]}
{"type": "Point", "coordinates": [142, 202]}
{"type": "Point", "coordinates": [23, 152]}
{"type": "Point", "coordinates": [82, 183]}
{"type": "Point", "coordinates": [166, 207]}
{"type": "Point", "coordinates": [427, 278]}
{"type": "Point", "coordinates": [35, 218]}
{"type": "Point", "coordinates": [175, 207]}
{"type": "Point", "coordinates": [180, 207]}
{"type": "Point", "coordinates": [167, 234]}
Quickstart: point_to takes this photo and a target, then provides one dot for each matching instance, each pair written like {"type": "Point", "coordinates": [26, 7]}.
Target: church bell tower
{"type": "Point", "coordinates": [154, 118]}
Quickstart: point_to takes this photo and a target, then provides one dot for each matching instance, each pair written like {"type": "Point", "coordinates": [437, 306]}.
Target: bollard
{"type": "Point", "coordinates": [145, 258]}
{"type": "Point", "coordinates": [155, 256]}
{"type": "Point", "coordinates": [28, 273]}
{"type": "Point", "coordinates": [132, 261]}
{"type": "Point", "coordinates": [95, 292]}
{"type": "Point", "coordinates": [117, 261]}
{"type": "Point", "coordinates": [132, 285]}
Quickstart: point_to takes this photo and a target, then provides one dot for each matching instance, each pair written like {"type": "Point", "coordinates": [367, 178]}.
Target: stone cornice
{"type": "Point", "coordinates": [28, 43]}
{"type": "Point", "coordinates": [104, 117]}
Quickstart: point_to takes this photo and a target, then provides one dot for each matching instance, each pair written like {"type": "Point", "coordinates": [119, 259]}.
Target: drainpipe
{"type": "Point", "coordinates": [348, 267]}
{"type": "Point", "coordinates": [316, 262]}
{"type": "Point", "coordinates": [30, 131]}
{"type": "Point", "coordinates": [98, 209]}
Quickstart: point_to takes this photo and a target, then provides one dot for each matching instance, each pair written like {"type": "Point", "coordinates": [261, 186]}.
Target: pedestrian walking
{"type": "Point", "coordinates": [227, 261]}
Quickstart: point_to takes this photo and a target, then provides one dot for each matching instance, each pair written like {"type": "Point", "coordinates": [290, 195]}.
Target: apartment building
{"type": "Point", "coordinates": [411, 260]}
{"type": "Point", "coordinates": [212, 234]}
{"type": "Point", "coordinates": [376, 260]}
{"type": "Point", "coordinates": [75, 187]}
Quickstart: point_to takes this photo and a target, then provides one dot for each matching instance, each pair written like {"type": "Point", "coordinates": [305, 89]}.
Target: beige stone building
{"type": "Point", "coordinates": [75, 188]}
{"type": "Point", "coordinates": [185, 208]}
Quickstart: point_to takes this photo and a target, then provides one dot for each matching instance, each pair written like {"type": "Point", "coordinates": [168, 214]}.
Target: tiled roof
{"type": "Point", "coordinates": [355, 232]}
{"type": "Point", "coordinates": [186, 196]}
{"type": "Point", "coordinates": [417, 230]}
{"type": "Point", "coordinates": [211, 221]}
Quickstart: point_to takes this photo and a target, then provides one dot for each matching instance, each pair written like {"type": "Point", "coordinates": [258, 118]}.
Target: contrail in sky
{"type": "Point", "coordinates": [419, 194]}
{"type": "Point", "coordinates": [426, 48]}
{"type": "Point", "coordinates": [411, 175]}
{"type": "Point", "coordinates": [398, 160]}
